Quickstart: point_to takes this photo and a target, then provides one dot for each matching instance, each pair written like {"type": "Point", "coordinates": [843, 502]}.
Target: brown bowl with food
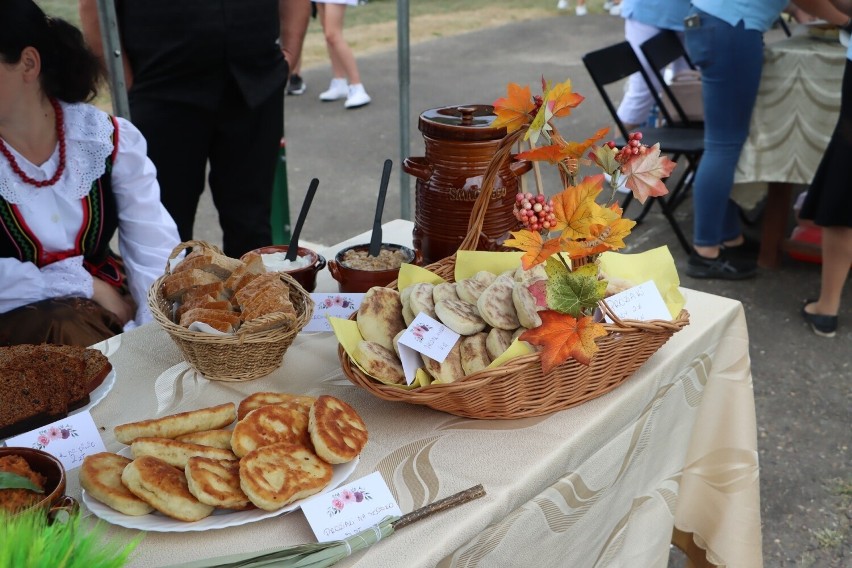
{"type": "Point", "coordinates": [303, 270]}
{"type": "Point", "coordinates": [44, 471]}
{"type": "Point", "coordinates": [356, 271]}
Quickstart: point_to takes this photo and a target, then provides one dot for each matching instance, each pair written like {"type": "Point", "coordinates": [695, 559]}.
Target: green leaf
{"type": "Point", "coordinates": [573, 292]}
{"type": "Point", "coordinates": [14, 481]}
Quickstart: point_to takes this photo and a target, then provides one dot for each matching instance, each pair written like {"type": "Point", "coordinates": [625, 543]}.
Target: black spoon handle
{"type": "Point", "coordinates": [376, 240]}
{"type": "Point", "coordinates": [293, 247]}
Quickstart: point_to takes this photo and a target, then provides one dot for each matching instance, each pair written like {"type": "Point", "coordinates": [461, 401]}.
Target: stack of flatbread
{"type": "Point", "coordinates": [488, 310]}
{"type": "Point", "coordinates": [228, 294]}
{"type": "Point", "coordinates": [186, 465]}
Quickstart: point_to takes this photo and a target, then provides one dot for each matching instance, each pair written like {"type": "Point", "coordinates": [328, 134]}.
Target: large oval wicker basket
{"type": "Point", "coordinates": [519, 388]}
{"type": "Point", "coordinates": [243, 356]}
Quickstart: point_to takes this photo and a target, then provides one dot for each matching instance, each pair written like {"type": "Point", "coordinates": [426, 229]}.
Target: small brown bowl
{"type": "Point", "coordinates": [307, 275]}
{"type": "Point", "coordinates": [357, 280]}
{"type": "Point", "coordinates": [55, 500]}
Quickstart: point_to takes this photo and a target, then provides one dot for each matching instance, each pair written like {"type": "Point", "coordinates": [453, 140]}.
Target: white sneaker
{"type": "Point", "coordinates": [615, 10]}
{"type": "Point", "coordinates": [562, 5]}
{"type": "Point", "coordinates": [581, 10]}
{"type": "Point", "coordinates": [338, 89]}
{"type": "Point", "coordinates": [358, 97]}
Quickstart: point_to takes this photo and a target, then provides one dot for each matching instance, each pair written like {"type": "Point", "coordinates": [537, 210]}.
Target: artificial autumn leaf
{"type": "Point", "coordinates": [575, 208]}
{"type": "Point", "coordinates": [513, 111]}
{"type": "Point", "coordinates": [540, 126]}
{"type": "Point", "coordinates": [644, 172]}
{"type": "Point", "coordinates": [564, 337]}
{"type": "Point", "coordinates": [562, 99]}
{"type": "Point", "coordinates": [562, 149]}
{"type": "Point", "coordinates": [604, 157]}
{"type": "Point", "coordinates": [553, 154]}
{"type": "Point", "coordinates": [577, 149]}
{"type": "Point", "coordinates": [603, 238]}
{"type": "Point", "coordinates": [538, 289]}
{"type": "Point", "coordinates": [570, 292]}
{"type": "Point", "coordinates": [536, 249]}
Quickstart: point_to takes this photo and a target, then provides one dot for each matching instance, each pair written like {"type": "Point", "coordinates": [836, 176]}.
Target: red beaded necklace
{"type": "Point", "coordinates": [60, 136]}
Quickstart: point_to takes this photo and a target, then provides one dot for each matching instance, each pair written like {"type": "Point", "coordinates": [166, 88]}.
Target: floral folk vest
{"type": "Point", "coordinates": [100, 221]}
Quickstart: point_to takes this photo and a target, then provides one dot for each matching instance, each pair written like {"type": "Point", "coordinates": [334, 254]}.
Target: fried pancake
{"type": "Point", "coordinates": [100, 476]}
{"type": "Point", "coordinates": [216, 483]}
{"type": "Point", "coordinates": [176, 453]}
{"type": "Point", "coordinates": [258, 399]}
{"type": "Point", "coordinates": [269, 425]}
{"type": "Point", "coordinates": [213, 438]}
{"type": "Point", "coordinates": [276, 475]}
{"type": "Point", "coordinates": [164, 488]}
{"type": "Point", "coordinates": [380, 363]}
{"type": "Point", "coordinates": [337, 432]}
{"type": "Point", "coordinates": [175, 425]}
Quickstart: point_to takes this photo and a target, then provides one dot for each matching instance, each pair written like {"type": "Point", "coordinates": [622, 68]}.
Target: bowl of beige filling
{"type": "Point", "coordinates": [356, 271]}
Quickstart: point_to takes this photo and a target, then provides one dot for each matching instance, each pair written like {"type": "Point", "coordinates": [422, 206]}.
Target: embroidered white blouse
{"type": "Point", "coordinates": [146, 232]}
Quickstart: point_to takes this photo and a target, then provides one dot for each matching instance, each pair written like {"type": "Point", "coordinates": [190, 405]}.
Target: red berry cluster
{"type": "Point", "coordinates": [634, 147]}
{"type": "Point", "coordinates": [535, 212]}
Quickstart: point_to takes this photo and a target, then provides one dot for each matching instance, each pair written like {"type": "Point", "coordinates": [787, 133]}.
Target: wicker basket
{"type": "Point", "coordinates": [519, 388]}
{"type": "Point", "coordinates": [243, 356]}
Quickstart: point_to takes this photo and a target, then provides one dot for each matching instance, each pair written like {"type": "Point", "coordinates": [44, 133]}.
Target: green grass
{"type": "Point", "coordinates": [376, 11]}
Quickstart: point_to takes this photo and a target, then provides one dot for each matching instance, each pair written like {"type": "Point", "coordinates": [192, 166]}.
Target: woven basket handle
{"type": "Point", "coordinates": [480, 206]}
{"type": "Point", "coordinates": [203, 245]}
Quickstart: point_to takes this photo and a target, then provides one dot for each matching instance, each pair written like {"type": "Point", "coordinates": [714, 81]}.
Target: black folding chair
{"type": "Point", "coordinates": [616, 62]}
{"type": "Point", "coordinates": [661, 51]}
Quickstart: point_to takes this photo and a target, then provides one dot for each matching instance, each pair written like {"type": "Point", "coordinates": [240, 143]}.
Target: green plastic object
{"type": "Point", "coordinates": [280, 214]}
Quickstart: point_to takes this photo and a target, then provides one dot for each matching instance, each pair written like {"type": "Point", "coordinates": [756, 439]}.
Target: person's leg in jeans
{"type": "Point", "coordinates": [730, 59]}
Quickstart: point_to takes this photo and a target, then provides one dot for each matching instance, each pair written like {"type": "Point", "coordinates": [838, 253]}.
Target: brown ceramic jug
{"type": "Point", "coordinates": [460, 143]}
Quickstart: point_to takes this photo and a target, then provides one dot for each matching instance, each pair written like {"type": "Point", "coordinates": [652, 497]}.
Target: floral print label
{"type": "Point", "coordinates": [70, 439]}
{"type": "Point", "coordinates": [350, 508]}
{"type": "Point", "coordinates": [335, 305]}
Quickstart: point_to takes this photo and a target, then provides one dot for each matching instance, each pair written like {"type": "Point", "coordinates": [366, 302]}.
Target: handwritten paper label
{"type": "Point", "coordinates": [351, 508]}
{"type": "Point", "coordinates": [70, 439]}
{"type": "Point", "coordinates": [335, 305]}
{"type": "Point", "coordinates": [429, 337]}
{"type": "Point", "coordinates": [643, 302]}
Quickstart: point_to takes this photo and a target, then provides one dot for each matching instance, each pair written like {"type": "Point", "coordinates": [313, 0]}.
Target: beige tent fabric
{"type": "Point", "coordinates": [598, 485]}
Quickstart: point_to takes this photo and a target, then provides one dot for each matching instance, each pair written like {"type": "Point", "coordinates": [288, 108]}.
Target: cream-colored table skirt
{"type": "Point", "coordinates": [796, 110]}
{"type": "Point", "coordinates": [598, 485]}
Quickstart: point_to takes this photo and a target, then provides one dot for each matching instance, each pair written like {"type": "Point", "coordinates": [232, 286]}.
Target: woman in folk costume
{"type": "Point", "coordinates": [70, 176]}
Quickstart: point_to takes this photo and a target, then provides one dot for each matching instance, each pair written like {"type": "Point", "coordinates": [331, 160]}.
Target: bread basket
{"type": "Point", "coordinates": [242, 356]}
{"type": "Point", "coordinates": [519, 388]}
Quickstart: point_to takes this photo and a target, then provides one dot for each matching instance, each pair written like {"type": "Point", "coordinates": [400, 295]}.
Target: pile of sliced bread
{"type": "Point", "coordinates": [42, 383]}
{"type": "Point", "coordinates": [228, 294]}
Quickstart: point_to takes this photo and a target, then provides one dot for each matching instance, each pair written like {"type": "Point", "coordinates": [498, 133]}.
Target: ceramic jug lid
{"type": "Point", "coordinates": [464, 122]}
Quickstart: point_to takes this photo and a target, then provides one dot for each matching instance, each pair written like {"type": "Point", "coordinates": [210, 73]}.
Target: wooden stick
{"type": "Point", "coordinates": [539, 184]}
{"type": "Point", "coordinates": [448, 502]}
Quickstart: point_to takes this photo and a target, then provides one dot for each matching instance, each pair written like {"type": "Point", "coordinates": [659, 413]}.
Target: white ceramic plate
{"type": "Point", "coordinates": [99, 393]}
{"type": "Point", "coordinates": [220, 519]}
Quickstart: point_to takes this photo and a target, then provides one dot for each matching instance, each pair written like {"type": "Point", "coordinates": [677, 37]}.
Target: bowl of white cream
{"type": "Point", "coordinates": [303, 269]}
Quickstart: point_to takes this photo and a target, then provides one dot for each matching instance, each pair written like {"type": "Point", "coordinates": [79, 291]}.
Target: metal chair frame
{"type": "Point", "coordinates": [616, 62]}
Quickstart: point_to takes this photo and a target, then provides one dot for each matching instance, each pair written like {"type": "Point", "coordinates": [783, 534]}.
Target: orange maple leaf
{"type": "Point", "coordinates": [562, 99]}
{"type": "Point", "coordinates": [644, 173]}
{"type": "Point", "coordinates": [513, 111]}
{"type": "Point", "coordinates": [564, 337]}
{"type": "Point", "coordinates": [577, 149]}
{"type": "Point", "coordinates": [576, 210]}
{"type": "Point", "coordinates": [553, 154]}
{"type": "Point", "coordinates": [602, 238]}
{"type": "Point", "coordinates": [536, 249]}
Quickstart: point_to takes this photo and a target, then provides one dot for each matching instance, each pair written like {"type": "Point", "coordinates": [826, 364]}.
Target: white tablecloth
{"type": "Point", "coordinates": [602, 484]}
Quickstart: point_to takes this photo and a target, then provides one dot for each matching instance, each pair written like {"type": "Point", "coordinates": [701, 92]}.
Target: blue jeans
{"type": "Point", "coordinates": [730, 58]}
